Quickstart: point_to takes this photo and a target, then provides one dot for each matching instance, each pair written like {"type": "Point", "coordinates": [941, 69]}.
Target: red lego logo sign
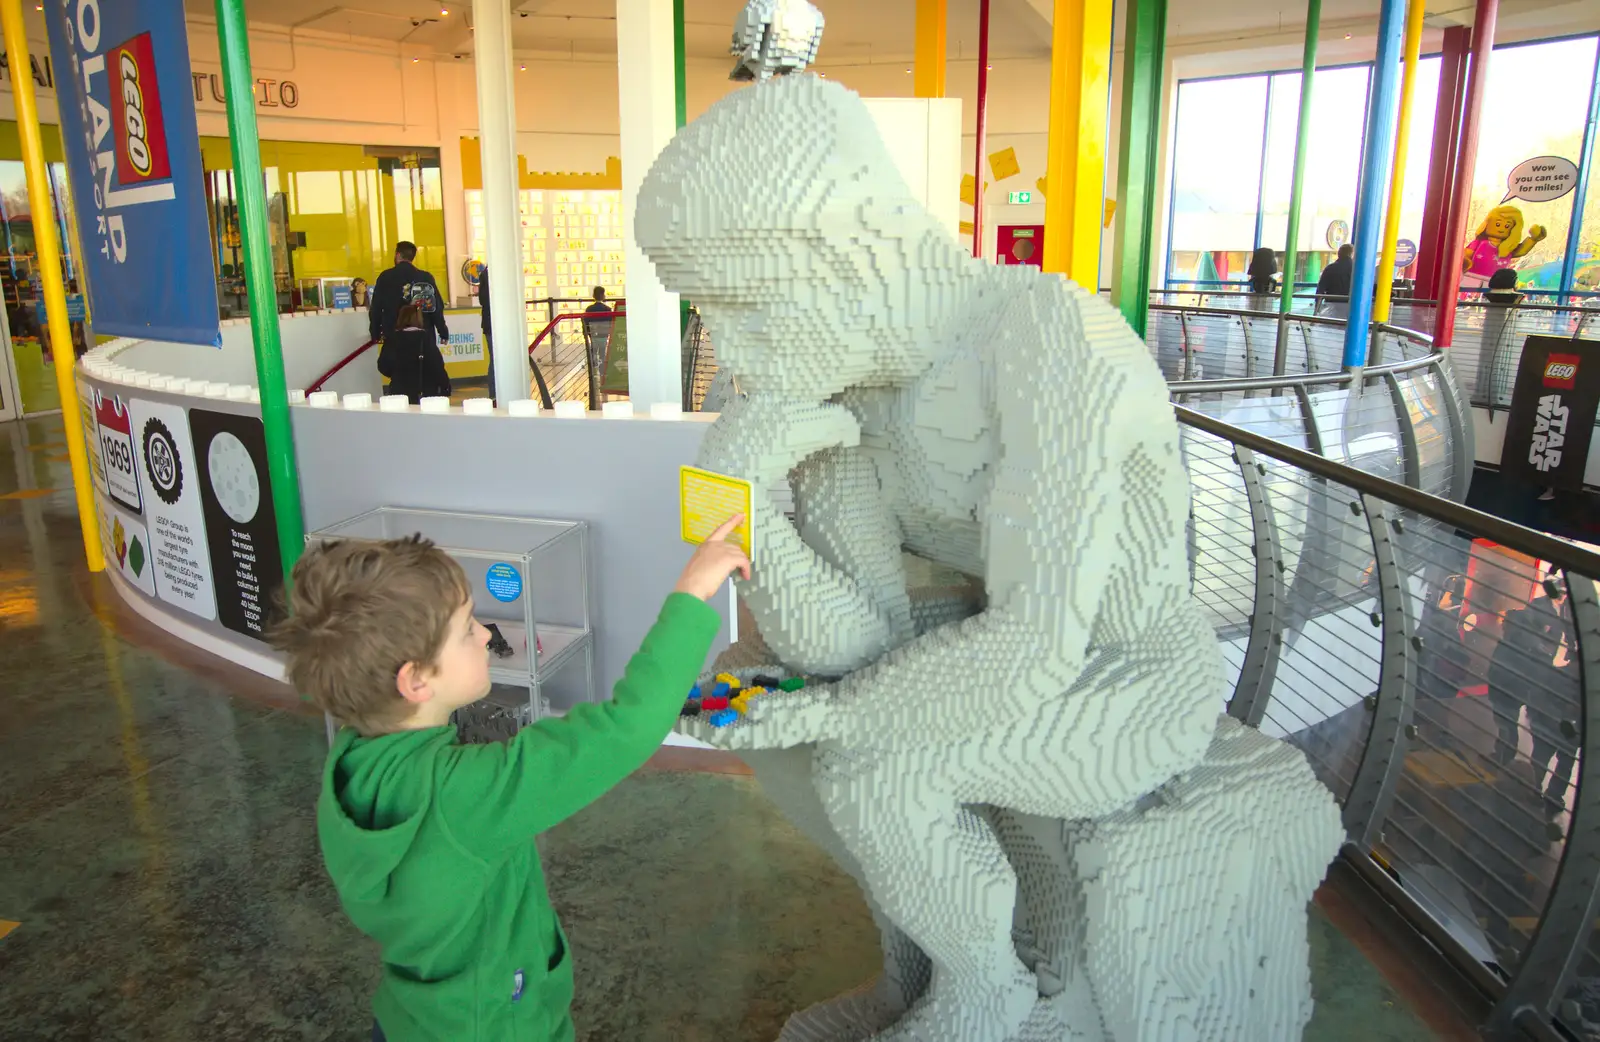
{"type": "Point", "coordinates": [141, 133]}
{"type": "Point", "coordinates": [1561, 371]}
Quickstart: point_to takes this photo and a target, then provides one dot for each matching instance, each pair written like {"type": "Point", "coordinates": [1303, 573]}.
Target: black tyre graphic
{"type": "Point", "coordinates": [162, 462]}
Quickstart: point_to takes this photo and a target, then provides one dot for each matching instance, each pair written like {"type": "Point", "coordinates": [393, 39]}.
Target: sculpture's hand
{"type": "Point", "coordinates": [758, 440]}
{"type": "Point", "coordinates": [1537, 232]}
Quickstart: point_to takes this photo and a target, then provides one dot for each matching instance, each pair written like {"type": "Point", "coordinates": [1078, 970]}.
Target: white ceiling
{"type": "Point", "coordinates": [857, 30]}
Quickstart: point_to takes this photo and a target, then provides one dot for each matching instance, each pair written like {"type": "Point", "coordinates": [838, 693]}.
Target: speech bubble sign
{"type": "Point", "coordinates": [1542, 179]}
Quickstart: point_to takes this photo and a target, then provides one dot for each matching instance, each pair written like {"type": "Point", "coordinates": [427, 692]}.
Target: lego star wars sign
{"type": "Point", "coordinates": [1552, 412]}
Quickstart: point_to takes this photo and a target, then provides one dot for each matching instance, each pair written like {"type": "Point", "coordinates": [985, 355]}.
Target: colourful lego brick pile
{"type": "Point", "coordinates": [729, 697]}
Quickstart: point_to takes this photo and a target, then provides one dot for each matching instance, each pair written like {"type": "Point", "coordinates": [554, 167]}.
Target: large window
{"type": "Point", "coordinates": [1233, 162]}
{"type": "Point", "coordinates": [1536, 105]}
{"type": "Point", "coordinates": [334, 212]}
{"type": "Point", "coordinates": [1216, 176]}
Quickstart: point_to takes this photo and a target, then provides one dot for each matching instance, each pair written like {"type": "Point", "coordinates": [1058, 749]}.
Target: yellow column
{"type": "Point", "coordinates": [55, 291]}
{"type": "Point", "coordinates": [928, 79]}
{"type": "Point", "coordinates": [1397, 179]}
{"type": "Point", "coordinates": [1080, 83]}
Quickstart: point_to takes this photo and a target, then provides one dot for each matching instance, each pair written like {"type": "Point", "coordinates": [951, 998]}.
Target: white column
{"type": "Point", "coordinates": [647, 117]}
{"type": "Point", "coordinates": [497, 138]}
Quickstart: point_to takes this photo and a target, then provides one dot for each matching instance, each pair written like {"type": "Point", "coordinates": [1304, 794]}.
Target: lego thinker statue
{"type": "Point", "coordinates": [1057, 834]}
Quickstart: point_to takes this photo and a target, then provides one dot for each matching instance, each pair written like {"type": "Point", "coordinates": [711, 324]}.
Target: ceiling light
{"type": "Point", "coordinates": [989, 67]}
{"type": "Point", "coordinates": [1347, 36]}
{"type": "Point", "coordinates": [415, 60]}
{"type": "Point", "coordinates": [522, 68]}
{"type": "Point", "coordinates": [444, 12]}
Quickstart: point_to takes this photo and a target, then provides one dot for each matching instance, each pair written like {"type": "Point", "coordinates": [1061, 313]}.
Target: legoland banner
{"type": "Point", "coordinates": [1552, 412]}
{"type": "Point", "coordinates": [133, 159]}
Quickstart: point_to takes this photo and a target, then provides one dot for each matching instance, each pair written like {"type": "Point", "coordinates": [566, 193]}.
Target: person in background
{"type": "Point", "coordinates": [488, 340]}
{"type": "Point", "coordinates": [597, 331]}
{"type": "Point", "coordinates": [1499, 349]}
{"type": "Point", "coordinates": [1335, 280]}
{"type": "Point", "coordinates": [403, 284]}
{"type": "Point", "coordinates": [600, 306]}
{"type": "Point", "coordinates": [1502, 287]}
{"type": "Point", "coordinates": [411, 358]}
{"type": "Point", "coordinates": [1263, 266]}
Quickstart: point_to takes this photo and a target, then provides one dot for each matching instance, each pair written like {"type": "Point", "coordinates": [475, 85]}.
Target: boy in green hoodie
{"type": "Point", "coordinates": [429, 842]}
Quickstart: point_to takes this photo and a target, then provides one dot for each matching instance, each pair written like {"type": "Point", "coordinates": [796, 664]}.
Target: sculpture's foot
{"type": "Point", "coordinates": [1070, 1016]}
{"type": "Point", "coordinates": [852, 1017]}
{"type": "Point", "coordinates": [959, 1011]}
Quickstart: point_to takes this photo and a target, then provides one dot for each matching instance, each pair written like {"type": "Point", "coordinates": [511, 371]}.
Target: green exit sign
{"type": "Point", "coordinates": [1020, 198]}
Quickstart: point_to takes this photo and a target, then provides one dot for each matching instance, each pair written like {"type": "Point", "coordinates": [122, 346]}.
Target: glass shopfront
{"type": "Point", "coordinates": [335, 213]}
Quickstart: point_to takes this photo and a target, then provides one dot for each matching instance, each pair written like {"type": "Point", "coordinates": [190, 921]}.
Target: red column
{"type": "Point", "coordinates": [1455, 228]}
{"type": "Point", "coordinates": [1442, 166]}
{"type": "Point", "coordinates": [982, 127]}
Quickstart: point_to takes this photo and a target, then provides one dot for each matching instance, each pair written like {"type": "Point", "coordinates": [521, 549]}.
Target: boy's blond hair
{"type": "Point", "coordinates": [357, 613]}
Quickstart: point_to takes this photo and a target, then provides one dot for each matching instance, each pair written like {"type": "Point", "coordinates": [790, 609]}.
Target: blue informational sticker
{"type": "Point", "coordinates": [516, 986]}
{"type": "Point", "coordinates": [504, 582]}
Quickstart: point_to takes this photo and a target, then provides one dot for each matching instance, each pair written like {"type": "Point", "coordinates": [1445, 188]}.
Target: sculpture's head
{"type": "Point", "coordinates": [780, 214]}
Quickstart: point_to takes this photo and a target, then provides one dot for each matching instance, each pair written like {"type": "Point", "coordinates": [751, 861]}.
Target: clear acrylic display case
{"type": "Point", "coordinates": [529, 576]}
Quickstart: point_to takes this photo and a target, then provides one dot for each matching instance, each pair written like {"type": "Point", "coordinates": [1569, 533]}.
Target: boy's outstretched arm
{"type": "Point", "coordinates": [495, 796]}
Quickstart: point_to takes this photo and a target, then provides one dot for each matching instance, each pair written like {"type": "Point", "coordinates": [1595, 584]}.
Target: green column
{"type": "Point", "coordinates": [681, 85]}
{"type": "Point", "coordinates": [1143, 71]}
{"type": "Point", "coordinates": [250, 195]}
{"type": "Point", "coordinates": [1308, 72]}
{"type": "Point", "coordinates": [681, 76]}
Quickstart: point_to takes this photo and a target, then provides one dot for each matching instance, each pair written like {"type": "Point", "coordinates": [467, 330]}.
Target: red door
{"type": "Point", "coordinates": [1020, 244]}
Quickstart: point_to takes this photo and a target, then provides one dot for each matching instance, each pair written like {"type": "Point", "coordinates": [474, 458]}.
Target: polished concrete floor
{"type": "Point", "coordinates": [159, 875]}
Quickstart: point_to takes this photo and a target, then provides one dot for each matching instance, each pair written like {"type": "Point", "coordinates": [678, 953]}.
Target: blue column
{"type": "Point", "coordinates": [1569, 262]}
{"type": "Point", "coordinates": [1383, 111]}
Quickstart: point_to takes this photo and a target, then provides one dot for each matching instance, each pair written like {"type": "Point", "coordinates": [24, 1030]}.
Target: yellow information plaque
{"type": "Point", "coordinates": [706, 499]}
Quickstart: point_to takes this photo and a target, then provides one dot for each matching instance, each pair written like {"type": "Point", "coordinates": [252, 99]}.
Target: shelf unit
{"type": "Point", "coordinates": [527, 576]}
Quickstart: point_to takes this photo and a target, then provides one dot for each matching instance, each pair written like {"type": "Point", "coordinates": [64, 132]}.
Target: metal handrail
{"type": "Point", "coordinates": [1406, 531]}
{"type": "Point", "coordinates": [316, 385]}
{"type": "Point", "coordinates": [338, 367]}
{"type": "Point", "coordinates": [1508, 533]}
{"type": "Point", "coordinates": [1293, 316]}
{"type": "Point", "coordinates": [588, 356]}
{"type": "Point", "coordinates": [1330, 378]}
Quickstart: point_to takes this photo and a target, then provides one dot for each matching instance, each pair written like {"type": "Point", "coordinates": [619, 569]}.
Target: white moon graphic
{"type": "Point", "coordinates": [233, 478]}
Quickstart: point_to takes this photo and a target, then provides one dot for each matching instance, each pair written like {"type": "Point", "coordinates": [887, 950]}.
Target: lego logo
{"type": "Point", "coordinates": [133, 114]}
{"type": "Point", "coordinates": [136, 96]}
{"type": "Point", "coordinates": [1561, 371]}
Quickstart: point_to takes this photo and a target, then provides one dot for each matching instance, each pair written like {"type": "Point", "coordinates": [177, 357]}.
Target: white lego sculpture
{"type": "Point", "coordinates": [775, 38]}
{"type": "Point", "coordinates": [1057, 835]}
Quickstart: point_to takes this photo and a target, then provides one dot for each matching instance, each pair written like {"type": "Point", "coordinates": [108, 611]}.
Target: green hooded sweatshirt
{"type": "Point", "coordinates": [430, 845]}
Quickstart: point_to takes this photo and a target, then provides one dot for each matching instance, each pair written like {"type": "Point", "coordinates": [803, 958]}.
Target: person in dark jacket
{"type": "Point", "coordinates": [1335, 280]}
{"type": "Point", "coordinates": [1263, 266]}
{"type": "Point", "coordinates": [1502, 287]}
{"type": "Point", "coordinates": [403, 284]}
{"type": "Point", "coordinates": [488, 337]}
{"type": "Point", "coordinates": [411, 358]}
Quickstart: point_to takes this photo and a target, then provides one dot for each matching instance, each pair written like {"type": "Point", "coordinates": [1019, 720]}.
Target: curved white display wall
{"type": "Point", "coordinates": [180, 474]}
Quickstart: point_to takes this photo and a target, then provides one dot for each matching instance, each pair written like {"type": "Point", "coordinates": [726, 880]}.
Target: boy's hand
{"type": "Point", "coordinates": [713, 561]}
